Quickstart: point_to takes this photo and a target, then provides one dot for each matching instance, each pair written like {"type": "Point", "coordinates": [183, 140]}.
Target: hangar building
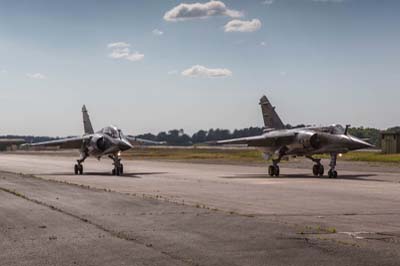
{"type": "Point", "coordinates": [390, 142]}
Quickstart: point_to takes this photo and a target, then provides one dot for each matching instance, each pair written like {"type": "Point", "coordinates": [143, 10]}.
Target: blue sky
{"type": "Point", "coordinates": [319, 62]}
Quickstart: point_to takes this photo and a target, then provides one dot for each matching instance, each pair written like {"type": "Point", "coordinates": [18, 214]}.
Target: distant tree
{"type": "Point", "coordinates": [199, 137]}
{"type": "Point", "coordinates": [372, 135]}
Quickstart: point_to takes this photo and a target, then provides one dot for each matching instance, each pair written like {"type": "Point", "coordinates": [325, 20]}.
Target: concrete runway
{"type": "Point", "coordinates": [355, 217]}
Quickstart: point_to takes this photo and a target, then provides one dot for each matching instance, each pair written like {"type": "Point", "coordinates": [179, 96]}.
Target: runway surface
{"type": "Point", "coordinates": [358, 213]}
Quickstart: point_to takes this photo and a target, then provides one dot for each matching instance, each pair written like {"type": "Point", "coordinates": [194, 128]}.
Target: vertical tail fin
{"type": "Point", "coordinates": [87, 125]}
{"type": "Point", "coordinates": [271, 118]}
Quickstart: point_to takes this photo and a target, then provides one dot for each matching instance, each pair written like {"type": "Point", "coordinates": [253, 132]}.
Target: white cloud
{"type": "Point", "coordinates": [202, 71]}
{"type": "Point", "coordinates": [134, 57]}
{"type": "Point", "coordinates": [118, 45]}
{"type": "Point", "coordinates": [157, 32]}
{"type": "Point", "coordinates": [3, 71]}
{"type": "Point", "coordinates": [36, 76]}
{"type": "Point", "coordinates": [200, 10]}
{"type": "Point", "coordinates": [263, 43]}
{"type": "Point", "coordinates": [268, 2]}
{"type": "Point", "coordinates": [243, 25]}
{"type": "Point", "coordinates": [121, 50]}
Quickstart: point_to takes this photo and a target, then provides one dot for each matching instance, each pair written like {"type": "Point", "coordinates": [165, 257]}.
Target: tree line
{"type": "Point", "coordinates": [180, 138]}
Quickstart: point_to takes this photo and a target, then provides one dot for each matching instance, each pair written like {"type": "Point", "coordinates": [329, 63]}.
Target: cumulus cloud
{"type": "Point", "coordinates": [36, 76]}
{"type": "Point", "coordinates": [243, 25]}
{"type": "Point", "coordinates": [200, 10]}
{"type": "Point", "coordinates": [202, 71]}
{"type": "Point", "coordinates": [157, 32]}
{"type": "Point", "coordinates": [121, 50]}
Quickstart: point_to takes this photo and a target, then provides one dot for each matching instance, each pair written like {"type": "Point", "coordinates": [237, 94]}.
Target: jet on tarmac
{"type": "Point", "coordinates": [109, 141]}
{"type": "Point", "coordinates": [9, 142]}
{"type": "Point", "coordinates": [278, 142]}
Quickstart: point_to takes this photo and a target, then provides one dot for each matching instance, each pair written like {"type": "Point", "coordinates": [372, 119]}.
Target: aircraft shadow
{"type": "Point", "coordinates": [127, 175]}
{"type": "Point", "coordinates": [363, 177]}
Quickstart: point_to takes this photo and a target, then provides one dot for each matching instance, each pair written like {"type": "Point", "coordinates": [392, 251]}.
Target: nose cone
{"type": "Point", "coordinates": [125, 145]}
{"type": "Point", "coordinates": [357, 144]}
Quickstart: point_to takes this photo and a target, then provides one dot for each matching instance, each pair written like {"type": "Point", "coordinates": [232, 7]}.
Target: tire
{"type": "Point", "coordinates": [315, 170]}
{"type": "Point", "coordinates": [332, 174]}
{"type": "Point", "coordinates": [271, 170]}
{"type": "Point", "coordinates": [121, 169]}
{"type": "Point", "coordinates": [277, 170]}
{"type": "Point", "coordinates": [76, 169]}
{"type": "Point", "coordinates": [80, 169]}
{"type": "Point", "coordinates": [113, 172]}
{"type": "Point", "coordinates": [321, 170]}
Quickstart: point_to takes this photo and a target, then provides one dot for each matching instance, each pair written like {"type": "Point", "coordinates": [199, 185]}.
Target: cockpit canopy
{"type": "Point", "coordinates": [113, 132]}
{"type": "Point", "coordinates": [335, 129]}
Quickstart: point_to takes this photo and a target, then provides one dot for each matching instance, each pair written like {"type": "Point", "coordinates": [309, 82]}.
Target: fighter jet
{"type": "Point", "coordinates": [9, 142]}
{"type": "Point", "coordinates": [109, 141]}
{"type": "Point", "coordinates": [277, 142]}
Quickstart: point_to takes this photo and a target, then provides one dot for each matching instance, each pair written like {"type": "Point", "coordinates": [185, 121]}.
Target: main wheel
{"type": "Point", "coordinates": [121, 169]}
{"type": "Point", "coordinates": [271, 170]}
{"type": "Point", "coordinates": [80, 169]}
{"type": "Point", "coordinates": [76, 169]}
{"type": "Point", "coordinates": [321, 170]}
{"type": "Point", "coordinates": [315, 169]}
{"type": "Point", "coordinates": [332, 174]}
{"type": "Point", "coordinates": [277, 170]}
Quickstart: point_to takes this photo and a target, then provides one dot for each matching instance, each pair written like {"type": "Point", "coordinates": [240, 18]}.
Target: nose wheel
{"type": "Point", "coordinates": [332, 172]}
{"type": "Point", "coordinates": [118, 170]}
{"type": "Point", "coordinates": [118, 166]}
{"type": "Point", "coordinates": [318, 170]}
{"type": "Point", "coordinates": [78, 169]}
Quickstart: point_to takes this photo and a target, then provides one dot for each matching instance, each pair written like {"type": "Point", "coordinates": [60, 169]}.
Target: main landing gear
{"type": "Point", "coordinates": [318, 168]}
{"type": "Point", "coordinates": [118, 166]}
{"type": "Point", "coordinates": [78, 168]}
{"type": "Point", "coordinates": [273, 170]}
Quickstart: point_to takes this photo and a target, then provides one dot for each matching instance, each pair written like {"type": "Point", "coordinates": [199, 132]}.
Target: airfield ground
{"type": "Point", "coordinates": [179, 213]}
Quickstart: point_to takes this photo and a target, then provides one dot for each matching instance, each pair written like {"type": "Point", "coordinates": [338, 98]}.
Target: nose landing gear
{"type": "Point", "coordinates": [318, 168]}
{"type": "Point", "coordinates": [78, 168]}
{"type": "Point", "coordinates": [118, 166]}
{"type": "Point", "coordinates": [332, 172]}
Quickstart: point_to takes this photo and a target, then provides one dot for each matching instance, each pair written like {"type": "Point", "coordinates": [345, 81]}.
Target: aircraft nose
{"type": "Point", "coordinates": [125, 145]}
{"type": "Point", "coordinates": [360, 144]}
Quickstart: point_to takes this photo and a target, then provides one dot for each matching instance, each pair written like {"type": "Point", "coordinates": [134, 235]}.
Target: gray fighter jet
{"type": "Point", "coordinates": [109, 141]}
{"type": "Point", "coordinates": [278, 142]}
{"type": "Point", "coordinates": [9, 142]}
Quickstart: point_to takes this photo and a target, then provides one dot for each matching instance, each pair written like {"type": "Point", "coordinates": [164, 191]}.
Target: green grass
{"type": "Point", "coordinates": [244, 155]}
{"type": "Point", "coordinates": [195, 154]}
{"type": "Point", "coordinates": [369, 156]}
